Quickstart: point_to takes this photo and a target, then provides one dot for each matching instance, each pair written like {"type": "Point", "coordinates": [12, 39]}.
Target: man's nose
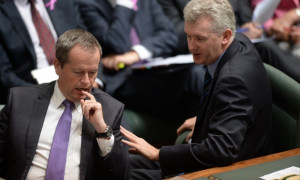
{"type": "Point", "coordinates": [85, 78]}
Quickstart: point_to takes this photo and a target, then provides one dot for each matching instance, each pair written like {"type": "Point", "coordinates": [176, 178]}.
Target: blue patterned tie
{"type": "Point", "coordinates": [203, 102]}
{"type": "Point", "coordinates": [206, 87]}
{"type": "Point", "coordinates": [58, 153]}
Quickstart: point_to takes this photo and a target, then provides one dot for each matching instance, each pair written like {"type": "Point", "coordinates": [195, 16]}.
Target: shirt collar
{"type": "Point", "coordinates": [58, 97]}
{"type": "Point", "coordinates": [212, 67]}
{"type": "Point", "coordinates": [21, 2]}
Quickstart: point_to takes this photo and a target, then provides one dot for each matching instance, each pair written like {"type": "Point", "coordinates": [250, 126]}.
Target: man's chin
{"type": "Point", "coordinates": [198, 61]}
{"type": "Point", "coordinates": [78, 96]}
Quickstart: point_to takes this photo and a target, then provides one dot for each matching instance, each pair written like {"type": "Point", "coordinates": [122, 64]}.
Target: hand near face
{"type": "Point", "coordinates": [295, 34]}
{"type": "Point", "coordinates": [92, 110]}
{"type": "Point", "coordinates": [188, 124]}
{"type": "Point", "coordinates": [139, 145]}
{"type": "Point", "coordinates": [281, 26]}
{"type": "Point", "coordinates": [280, 29]}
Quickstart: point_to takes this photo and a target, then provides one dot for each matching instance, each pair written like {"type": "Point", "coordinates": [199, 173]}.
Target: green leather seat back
{"type": "Point", "coordinates": [154, 130]}
{"type": "Point", "coordinates": [286, 109]}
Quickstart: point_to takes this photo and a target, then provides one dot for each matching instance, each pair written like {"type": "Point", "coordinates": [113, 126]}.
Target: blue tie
{"type": "Point", "coordinates": [203, 102]}
{"type": "Point", "coordinates": [206, 87]}
{"type": "Point", "coordinates": [58, 153]}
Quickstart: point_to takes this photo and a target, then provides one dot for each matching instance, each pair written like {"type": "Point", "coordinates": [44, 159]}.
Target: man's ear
{"type": "Point", "coordinates": [57, 66]}
{"type": "Point", "coordinates": [227, 36]}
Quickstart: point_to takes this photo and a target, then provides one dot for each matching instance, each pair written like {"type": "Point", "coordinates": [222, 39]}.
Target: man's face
{"type": "Point", "coordinates": [79, 73]}
{"type": "Point", "coordinates": [205, 45]}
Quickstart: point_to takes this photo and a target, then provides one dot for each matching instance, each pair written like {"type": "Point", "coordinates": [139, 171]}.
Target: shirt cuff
{"type": "Point", "coordinates": [101, 84]}
{"type": "Point", "coordinates": [125, 3]}
{"type": "Point", "coordinates": [105, 145]}
{"type": "Point", "coordinates": [142, 52]}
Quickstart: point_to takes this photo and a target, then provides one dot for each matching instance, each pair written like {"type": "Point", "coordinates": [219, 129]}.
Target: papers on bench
{"type": "Point", "coordinates": [44, 75]}
{"type": "Point", "coordinates": [157, 62]}
{"type": "Point", "coordinates": [47, 74]}
{"type": "Point", "coordinates": [291, 171]}
{"type": "Point", "coordinates": [264, 10]}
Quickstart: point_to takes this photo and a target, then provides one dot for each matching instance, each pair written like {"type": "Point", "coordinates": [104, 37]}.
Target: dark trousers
{"type": "Point", "coordinates": [144, 169]}
{"type": "Point", "coordinates": [280, 59]}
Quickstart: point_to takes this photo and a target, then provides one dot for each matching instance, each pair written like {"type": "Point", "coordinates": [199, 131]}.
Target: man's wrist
{"type": "Point", "coordinates": [106, 134]}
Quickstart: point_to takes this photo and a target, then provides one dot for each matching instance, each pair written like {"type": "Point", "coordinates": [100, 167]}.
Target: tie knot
{"type": "Point", "coordinates": [68, 104]}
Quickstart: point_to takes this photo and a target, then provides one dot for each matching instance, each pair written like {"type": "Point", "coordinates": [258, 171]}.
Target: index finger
{"type": "Point", "coordinates": [89, 95]}
{"type": "Point", "coordinates": [180, 129]}
{"type": "Point", "coordinates": [129, 135]}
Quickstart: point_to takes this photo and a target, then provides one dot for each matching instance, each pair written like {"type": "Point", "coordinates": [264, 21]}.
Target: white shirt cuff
{"type": "Point", "coordinates": [101, 84]}
{"type": "Point", "coordinates": [125, 3]}
{"type": "Point", "coordinates": [142, 52]}
{"type": "Point", "coordinates": [105, 145]}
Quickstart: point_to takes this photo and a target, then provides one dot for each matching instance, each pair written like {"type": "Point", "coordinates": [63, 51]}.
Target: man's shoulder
{"type": "Point", "coordinates": [31, 90]}
{"type": "Point", "coordinates": [104, 97]}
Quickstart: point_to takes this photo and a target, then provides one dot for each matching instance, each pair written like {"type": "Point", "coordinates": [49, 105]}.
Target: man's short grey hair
{"type": "Point", "coordinates": [72, 38]}
{"type": "Point", "coordinates": [219, 11]}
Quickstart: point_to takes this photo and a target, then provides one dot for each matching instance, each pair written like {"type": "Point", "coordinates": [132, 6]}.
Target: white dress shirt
{"type": "Point", "coordinates": [141, 50]}
{"type": "Point", "coordinates": [39, 164]}
{"type": "Point", "coordinates": [23, 7]}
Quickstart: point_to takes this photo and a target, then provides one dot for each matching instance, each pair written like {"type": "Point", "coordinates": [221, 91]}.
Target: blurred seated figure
{"type": "Point", "coordinates": [133, 32]}
{"type": "Point", "coordinates": [283, 25]}
{"type": "Point", "coordinates": [28, 32]}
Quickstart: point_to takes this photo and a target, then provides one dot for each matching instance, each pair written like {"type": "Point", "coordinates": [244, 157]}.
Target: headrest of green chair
{"type": "Point", "coordinates": [285, 91]}
{"type": "Point", "coordinates": [286, 109]}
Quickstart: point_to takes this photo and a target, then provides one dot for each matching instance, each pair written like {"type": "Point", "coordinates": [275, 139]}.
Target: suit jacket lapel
{"type": "Point", "coordinates": [201, 125]}
{"type": "Point", "coordinates": [36, 123]}
{"type": "Point", "coordinates": [87, 140]}
{"type": "Point", "coordinates": [13, 14]}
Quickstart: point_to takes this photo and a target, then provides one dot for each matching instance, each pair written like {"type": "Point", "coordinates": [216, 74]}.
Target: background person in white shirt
{"type": "Point", "coordinates": [20, 47]}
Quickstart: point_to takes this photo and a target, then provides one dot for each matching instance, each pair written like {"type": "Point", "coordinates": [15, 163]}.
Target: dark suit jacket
{"type": "Point", "coordinates": [242, 11]}
{"type": "Point", "coordinates": [111, 26]}
{"type": "Point", "coordinates": [237, 124]}
{"type": "Point", "coordinates": [174, 10]}
{"type": "Point", "coordinates": [21, 121]}
{"type": "Point", "coordinates": [17, 55]}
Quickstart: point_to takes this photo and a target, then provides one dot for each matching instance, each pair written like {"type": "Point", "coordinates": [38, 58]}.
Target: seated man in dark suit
{"type": "Point", "coordinates": [21, 47]}
{"type": "Point", "coordinates": [65, 129]}
{"type": "Point", "coordinates": [234, 120]}
{"type": "Point", "coordinates": [130, 33]}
